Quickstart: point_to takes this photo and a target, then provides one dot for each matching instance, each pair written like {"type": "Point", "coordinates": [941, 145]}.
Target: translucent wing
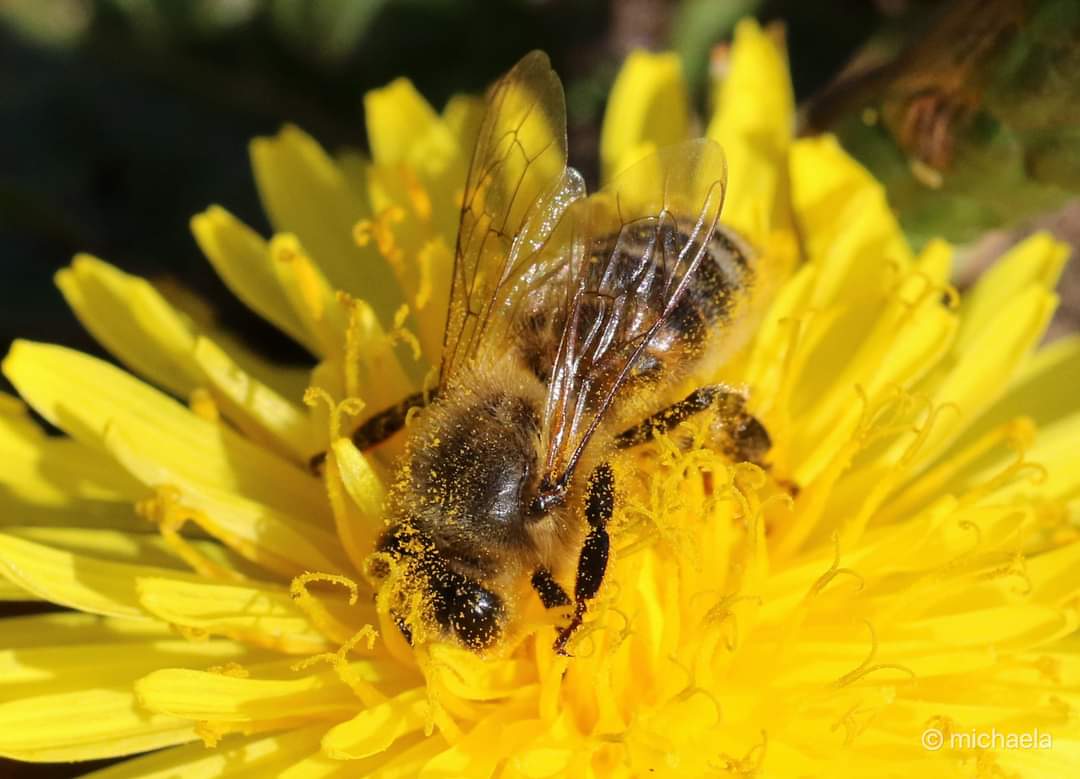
{"type": "Point", "coordinates": [635, 248]}
{"type": "Point", "coordinates": [517, 190]}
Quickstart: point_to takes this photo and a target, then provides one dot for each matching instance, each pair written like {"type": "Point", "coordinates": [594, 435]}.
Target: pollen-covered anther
{"type": "Point", "coordinates": [367, 692]}
{"type": "Point", "coordinates": [1019, 469]}
{"type": "Point", "coordinates": [193, 634]}
{"type": "Point", "coordinates": [203, 404]}
{"type": "Point", "coordinates": [233, 670]}
{"type": "Point", "coordinates": [211, 732]}
{"type": "Point", "coordinates": [443, 705]}
{"type": "Point", "coordinates": [854, 721]}
{"type": "Point", "coordinates": [400, 333]}
{"type": "Point", "coordinates": [834, 571]}
{"type": "Point", "coordinates": [868, 666]}
{"type": "Point", "coordinates": [380, 229]}
{"type": "Point", "coordinates": [351, 406]}
{"type": "Point", "coordinates": [316, 611]}
{"type": "Point", "coordinates": [417, 193]}
{"type": "Point", "coordinates": [163, 508]}
{"type": "Point", "coordinates": [433, 251]}
{"type": "Point", "coordinates": [930, 288]}
{"type": "Point", "coordinates": [722, 616]}
{"type": "Point", "coordinates": [1015, 568]}
{"type": "Point", "coordinates": [747, 766]}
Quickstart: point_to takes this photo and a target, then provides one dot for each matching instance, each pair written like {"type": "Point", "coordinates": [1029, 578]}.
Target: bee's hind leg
{"type": "Point", "coordinates": [592, 563]}
{"type": "Point", "coordinates": [735, 432]}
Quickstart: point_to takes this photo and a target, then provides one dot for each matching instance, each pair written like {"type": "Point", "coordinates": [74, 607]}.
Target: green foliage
{"type": "Point", "coordinates": [1013, 151]}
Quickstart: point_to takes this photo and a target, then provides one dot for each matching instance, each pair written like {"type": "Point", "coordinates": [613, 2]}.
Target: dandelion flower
{"type": "Point", "coordinates": [923, 577]}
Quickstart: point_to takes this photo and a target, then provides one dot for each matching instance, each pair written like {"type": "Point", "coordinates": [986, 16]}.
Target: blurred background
{"type": "Point", "coordinates": [120, 119]}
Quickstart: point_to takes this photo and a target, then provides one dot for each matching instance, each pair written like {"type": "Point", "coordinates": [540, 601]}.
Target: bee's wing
{"type": "Point", "coordinates": [636, 246]}
{"type": "Point", "coordinates": [517, 190]}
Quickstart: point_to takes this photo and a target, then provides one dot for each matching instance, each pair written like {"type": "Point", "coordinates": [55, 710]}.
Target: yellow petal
{"type": "Point", "coordinates": [462, 115]}
{"type": "Point", "coordinates": [304, 192]}
{"type": "Point", "coordinates": [648, 104]}
{"type": "Point", "coordinates": [902, 342]}
{"type": "Point", "coordinates": [1056, 450]}
{"type": "Point", "coordinates": [83, 395]}
{"type": "Point", "coordinates": [415, 184]}
{"type": "Point", "coordinates": [1035, 261]}
{"type": "Point", "coordinates": [372, 368]}
{"type": "Point", "coordinates": [1053, 577]}
{"type": "Point", "coordinates": [310, 294]}
{"type": "Point", "coordinates": [753, 121]}
{"type": "Point", "coordinates": [488, 743]}
{"type": "Point", "coordinates": [76, 701]}
{"type": "Point", "coordinates": [935, 262]}
{"type": "Point", "coordinates": [57, 481]}
{"type": "Point", "coordinates": [845, 218]}
{"type": "Point", "coordinates": [76, 581]}
{"type": "Point", "coordinates": [1043, 389]}
{"type": "Point", "coordinates": [366, 491]}
{"type": "Point", "coordinates": [403, 128]}
{"type": "Point", "coordinates": [85, 725]}
{"type": "Point", "coordinates": [290, 755]}
{"type": "Point", "coordinates": [32, 671]}
{"type": "Point", "coordinates": [242, 259]}
{"type": "Point", "coordinates": [397, 118]}
{"type": "Point", "coordinates": [436, 261]}
{"type": "Point", "coordinates": [262, 615]}
{"type": "Point", "coordinates": [10, 592]}
{"type": "Point", "coordinates": [974, 378]}
{"type": "Point", "coordinates": [71, 627]}
{"type": "Point", "coordinates": [215, 697]}
{"type": "Point", "coordinates": [405, 759]}
{"type": "Point", "coordinates": [754, 99]}
{"type": "Point", "coordinates": [289, 381]}
{"type": "Point", "coordinates": [276, 541]}
{"type": "Point", "coordinates": [130, 319]}
{"type": "Point", "coordinates": [373, 730]}
{"type": "Point", "coordinates": [259, 411]}
{"type": "Point", "coordinates": [147, 548]}
{"type": "Point", "coordinates": [765, 368]}
{"type": "Point", "coordinates": [354, 167]}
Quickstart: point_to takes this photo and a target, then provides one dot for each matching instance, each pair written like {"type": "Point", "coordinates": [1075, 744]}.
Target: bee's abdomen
{"type": "Point", "coordinates": [710, 300]}
{"type": "Point", "coordinates": [630, 267]}
{"type": "Point", "coordinates": [723, 276]}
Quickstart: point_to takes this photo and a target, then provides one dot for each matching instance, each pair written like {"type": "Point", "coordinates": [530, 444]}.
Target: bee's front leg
{"type": "Point", "coordinates": [551, 593]}
{"type": "Point", "coordinates": [592, 563]}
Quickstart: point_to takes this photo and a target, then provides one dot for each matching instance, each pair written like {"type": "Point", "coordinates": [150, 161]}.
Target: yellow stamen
{"type": "Point", "coordinates": [368, 693]}
{"type": "Point", "coordinates": [163, 508]}
{"type": "Point", "coordinates": [202, 403]}
{"type": "Point", "coordinates": [1017, 433]}
{"type": "Point", "coordinates": [319, 615]}
{"type": "Point", "coordinates": [868, 666]}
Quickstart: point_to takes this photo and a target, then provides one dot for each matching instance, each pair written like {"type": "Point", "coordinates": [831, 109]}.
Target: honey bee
{"type": "Point", "coordinates": [574, 320]}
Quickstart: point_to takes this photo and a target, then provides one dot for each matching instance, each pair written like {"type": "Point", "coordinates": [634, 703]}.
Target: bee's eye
{"type": "Point", "coordinates": [473, 612]}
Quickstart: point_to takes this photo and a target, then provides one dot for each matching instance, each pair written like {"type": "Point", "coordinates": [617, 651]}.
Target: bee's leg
{"type": "Point", "coordinates": [380, 426]}
{"type": "Point", "coordinates": [551, 593]}
{"type": "Point", "coordinates": [736, 432]}
{"type": "Point", "coordinates": [592, 563]}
